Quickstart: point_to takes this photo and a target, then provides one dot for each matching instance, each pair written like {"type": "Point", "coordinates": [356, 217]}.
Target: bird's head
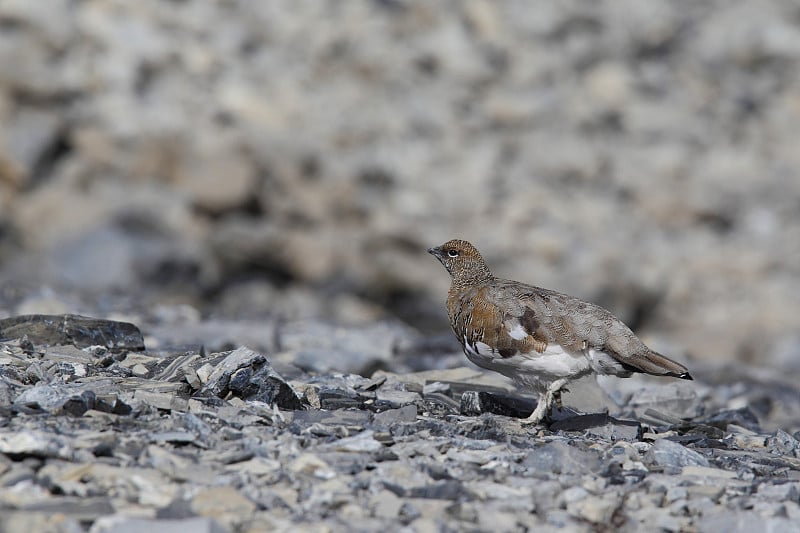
{"type": "Point", "coordinates": [463, 261]}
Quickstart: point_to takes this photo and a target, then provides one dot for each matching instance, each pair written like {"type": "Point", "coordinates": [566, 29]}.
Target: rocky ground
{"type": "Point", "coordinates": [98, 433]}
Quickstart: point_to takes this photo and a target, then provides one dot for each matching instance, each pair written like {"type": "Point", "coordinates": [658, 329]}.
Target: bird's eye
{"type": "Point", "coordinates": [452, 253]}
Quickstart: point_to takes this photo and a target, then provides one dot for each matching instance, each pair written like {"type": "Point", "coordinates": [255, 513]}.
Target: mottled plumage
{"type": "Point", "coordinates": [539, 338]}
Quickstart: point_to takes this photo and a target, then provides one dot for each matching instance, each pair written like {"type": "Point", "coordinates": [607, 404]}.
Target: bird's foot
{"type": "Point", "coordinates": [557, 398]}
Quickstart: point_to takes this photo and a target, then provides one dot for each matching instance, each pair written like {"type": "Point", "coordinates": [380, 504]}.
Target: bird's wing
{"type": "Point", "coordinates": [578, 326]}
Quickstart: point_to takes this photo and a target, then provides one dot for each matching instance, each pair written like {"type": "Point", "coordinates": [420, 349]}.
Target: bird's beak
{"type": "Point", "coordinates": [436, 251]}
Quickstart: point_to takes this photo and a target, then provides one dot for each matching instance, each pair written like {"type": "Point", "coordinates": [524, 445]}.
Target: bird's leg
{"type": "Point", "coordinates": [542, 406]}
{"type": "Point", "coordinates": [545, 404]}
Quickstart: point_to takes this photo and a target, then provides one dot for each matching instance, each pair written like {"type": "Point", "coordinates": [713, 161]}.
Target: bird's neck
{"type": "Point", "coordinates": [470, 278]}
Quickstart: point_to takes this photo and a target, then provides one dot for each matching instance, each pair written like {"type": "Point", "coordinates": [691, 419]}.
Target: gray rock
{"type": "Point", "coordinates": [361, 442]}
{"type": "Point", "coordinates": [670, 454]}
{"type": "Point", "coordinates": [162, 400]}
{"type": "Point", "coordinates": [57, 398]}
{"type": "Point", "coordinates": [22, 521]}
{"type": "Point", "coordinates": [395, 399]}
{"type": "Point", "coordinates": [396, 416]}
{"type": "Point", "coordinates": [33, 443]}
{"type": "Point", "coordinates": [80, 509]}
{"type": "Point", "coordinates": [559, 458]}
{"type": "Point", "coordinates": [7, 392]}
{"type": "Point", "coordinates": [73, 330]}
{"type": "Point", "coordinates": [249, 375]}
{"type": "Point", "coordinates": [473, 403]}
{"type": "Point", "coordinates": [122, 524]}
{"type": "Point", "coordinates": [677, 399]}
{"type": "Point", "coordinates": [348, 418]}
{"type": "Point", "coordinates": [743, 417]}
{"type": "Point", "coordinates": [600, 425]}
{"type": "Point", "coordinates": [743, 522]}
{"type": "Point", "coordinates": [783, 443]}
{"type": "Point", "coordinates": [778, 491]}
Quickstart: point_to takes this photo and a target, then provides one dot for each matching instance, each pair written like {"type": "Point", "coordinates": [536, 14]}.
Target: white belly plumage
{"type": "Point", "coordinates": [537, 370]}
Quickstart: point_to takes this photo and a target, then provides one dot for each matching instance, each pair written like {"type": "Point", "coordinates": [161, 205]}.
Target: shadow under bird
{"type": "Point", "coordinates": [539, 338]}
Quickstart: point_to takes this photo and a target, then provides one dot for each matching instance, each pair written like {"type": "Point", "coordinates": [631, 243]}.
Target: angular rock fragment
{"type": "Point", "coordinates": [396, 416]}
{"type": "Point", "coordinates": [162, 400]}
{"type": "Point", "coordinates": [474, 403]}
{"type": "Point", "coordinates": [670, 454]}
{"type": "Point", "coordinates": [248, 375]}
{"type": "Point", "coordinates": [25, 521]}
{"type": "Point", "coordinates": [677, 399]}
{"type": "Point", "coordinates": [331, 398]}
{"type": "Point", "coordinates": [80, 509]}
{"type": "Point", "coordinates": [34, 443]}
{"type": "Point", "coordinates": [744, 417]}
{"type": "Point", "coordinates": [560, 458]}
{"type": "Point", "coordinates": [362, 442]}
{"type": "Point", "coordinates": [73, 330]}
{"type": "Point", "coordinates": [125, 524]}
{"type": "Point", "coordinates": [741, 521]}
{"type": "Point", "coordinates": [395, 398]}
{"type": "Point", "coordinates": [350, 418]}
{"type": "Point", "coordinates": [71, 399]}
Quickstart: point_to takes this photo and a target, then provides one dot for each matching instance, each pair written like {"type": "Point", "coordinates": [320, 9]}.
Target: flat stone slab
{"type": "Point", "coordinates": [76, 330]}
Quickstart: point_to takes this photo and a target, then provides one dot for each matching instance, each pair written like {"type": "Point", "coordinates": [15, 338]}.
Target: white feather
{"type": "Point", "coordinates": [517, 332]}
{"type": "Point", "coordinates": [532, 370]}
{"type": "Point", "coordinates": [602, 363]}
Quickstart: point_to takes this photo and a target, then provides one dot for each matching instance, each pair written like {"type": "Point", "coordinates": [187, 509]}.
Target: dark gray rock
{"type": "Point", "coordinates": [73, 330]}
{"type": "Point", "coordinates": [248, 375]}
{"type": "Point", "coordinates": [331, 398]}
{"type": "Point", "coordinates": [743, 417]}
{"type": "Point", "coordinates": [474, 403]}
{"type": "Point", "coordinates": [442, 490]}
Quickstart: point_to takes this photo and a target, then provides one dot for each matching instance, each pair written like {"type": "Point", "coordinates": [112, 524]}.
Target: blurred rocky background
{"type": "Point", "coordinates": [294, 159]}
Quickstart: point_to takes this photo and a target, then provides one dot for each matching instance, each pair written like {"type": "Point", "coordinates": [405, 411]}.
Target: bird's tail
{"type": "Point", "coordinates": [659, 365]}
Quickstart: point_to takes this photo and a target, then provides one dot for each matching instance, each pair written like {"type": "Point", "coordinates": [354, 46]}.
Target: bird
{"type": "Point", "coordinates": [539, 338]}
